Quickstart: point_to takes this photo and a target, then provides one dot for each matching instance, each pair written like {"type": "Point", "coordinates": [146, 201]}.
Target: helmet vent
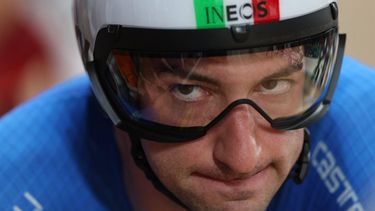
{"type": "Point", "coordinates": [240, 33]}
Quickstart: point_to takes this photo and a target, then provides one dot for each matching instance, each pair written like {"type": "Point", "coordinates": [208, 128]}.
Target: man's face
{"type": "Point", "coordinates": [241, 162]}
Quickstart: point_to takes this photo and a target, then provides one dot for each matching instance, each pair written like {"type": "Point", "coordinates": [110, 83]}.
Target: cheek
{"type": "Point", "coordinates": [174, 162]}
{"type": "Point", "coordinates": [158, 155]}
{"type": "Point", "coordinates": [285, 147]}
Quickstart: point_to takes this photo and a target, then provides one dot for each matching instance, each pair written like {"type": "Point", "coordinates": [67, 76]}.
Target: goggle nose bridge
{"type": "Point", "coordinates": [235, 104]}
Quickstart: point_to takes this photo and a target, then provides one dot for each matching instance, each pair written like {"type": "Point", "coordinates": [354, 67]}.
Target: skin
{"type": "Point", "coordinates": [241, 162]}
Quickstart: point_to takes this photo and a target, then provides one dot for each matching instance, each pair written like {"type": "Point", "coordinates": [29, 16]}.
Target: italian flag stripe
{"type": "Point", "coordinates": [223, 13]}
{"type": "Point", "coordinates": [209, 13]}
{"type": "Point", "coordinates": [271, 13]}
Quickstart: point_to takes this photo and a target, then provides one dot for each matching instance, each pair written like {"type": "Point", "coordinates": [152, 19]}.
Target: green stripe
{"type": "Point", "coordinates": [209, 14]}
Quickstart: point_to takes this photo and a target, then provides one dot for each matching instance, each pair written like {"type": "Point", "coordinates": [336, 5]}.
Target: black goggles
{"type": "Point", "coordinates": [179, 96]}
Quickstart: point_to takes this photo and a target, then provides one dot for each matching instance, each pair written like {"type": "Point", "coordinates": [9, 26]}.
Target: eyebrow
{"type": "Point", "coordinates": [284, 72]}
{"type": "Point", "coordinates": [196, 77]}
{"type": "Point", "coordinates": [190, 75]}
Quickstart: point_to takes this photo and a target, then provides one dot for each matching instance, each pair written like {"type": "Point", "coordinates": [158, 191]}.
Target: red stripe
{"type": "Point", "coordinates": [266, 11]}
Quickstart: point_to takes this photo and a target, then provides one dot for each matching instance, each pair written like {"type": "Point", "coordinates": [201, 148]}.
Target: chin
{"type": "Point", "coordinates": [244, 205]}
{"type": "Point", "coordinates": [215, 202]}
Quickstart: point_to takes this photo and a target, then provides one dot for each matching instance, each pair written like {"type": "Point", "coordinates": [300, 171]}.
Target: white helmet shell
{"type": "Point", "coordinates": [93, 15]}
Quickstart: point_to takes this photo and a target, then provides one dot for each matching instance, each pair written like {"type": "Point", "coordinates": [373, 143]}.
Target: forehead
{"type": "Point", "coordinates": [285, 55]}
{"type": "Point", "coordinates": [233, 63]}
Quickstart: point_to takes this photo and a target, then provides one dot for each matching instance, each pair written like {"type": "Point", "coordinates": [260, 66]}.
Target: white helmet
{"type": "Point", "coordinates": [125, 32]}
{"type": "Point", "coordinates": [128, 45]}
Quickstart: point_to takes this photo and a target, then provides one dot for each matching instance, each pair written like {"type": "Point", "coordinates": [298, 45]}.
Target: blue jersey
{"type": "Point", "coordinates": [58, 152]}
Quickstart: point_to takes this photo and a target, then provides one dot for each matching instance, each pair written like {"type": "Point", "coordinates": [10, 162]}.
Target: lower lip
{"type": "Point", "coordinates": [253, 183]}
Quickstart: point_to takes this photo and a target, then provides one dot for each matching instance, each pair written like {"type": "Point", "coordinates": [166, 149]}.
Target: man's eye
{"type": "Point", "coordinates": [268, 85]}
{"type": "Point", "coordinates": [275, 86]}
{"type": "Point", "coordinates": [188, 93]}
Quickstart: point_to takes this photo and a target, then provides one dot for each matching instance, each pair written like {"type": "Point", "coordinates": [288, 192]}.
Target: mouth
{"type": "Point", "coordinates": [235, 183]}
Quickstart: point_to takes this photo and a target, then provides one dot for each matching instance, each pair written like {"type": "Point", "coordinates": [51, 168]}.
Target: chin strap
{"type": "Point", "coordinates": [301, 168]}
{"type": "Point", "coordinates": [141, 161]}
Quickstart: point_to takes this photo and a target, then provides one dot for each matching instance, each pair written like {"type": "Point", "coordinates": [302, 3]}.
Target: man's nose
{"type": "Point", "coordinates": [236, 149]}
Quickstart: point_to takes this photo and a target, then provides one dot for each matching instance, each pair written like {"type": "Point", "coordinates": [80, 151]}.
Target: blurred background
{"type": "Point", "coordinates": [38, 47]}
{"type": "Point", "coordinates": [357, 19]}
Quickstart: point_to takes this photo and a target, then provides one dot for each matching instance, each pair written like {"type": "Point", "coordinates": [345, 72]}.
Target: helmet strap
{"type": "Point", "coordinates": [300, 169]}
{"type": "Point", "coordinates": [140, 160]}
